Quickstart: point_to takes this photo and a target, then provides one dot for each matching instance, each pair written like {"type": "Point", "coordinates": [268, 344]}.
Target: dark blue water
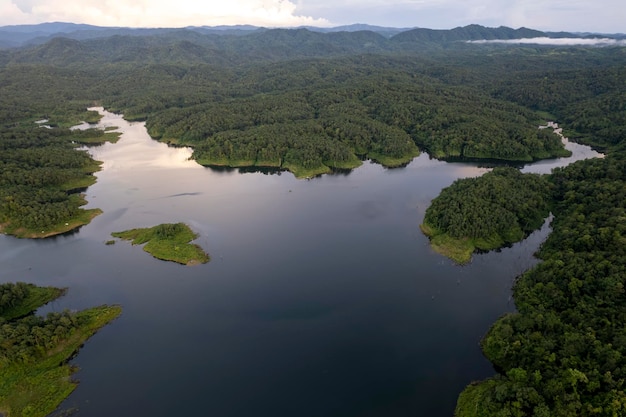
{"type": "Point", "coordinates": [322, 297]}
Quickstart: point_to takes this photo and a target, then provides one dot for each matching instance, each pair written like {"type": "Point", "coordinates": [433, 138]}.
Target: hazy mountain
{"type": "Point", "coordinates": [226, 44]}
{"type": "Point", "coordinates": [359, 27]}
{"type": "Point", "coordinates": [23, 35]}
{"type": "Point", "coordinates": [466, 33]}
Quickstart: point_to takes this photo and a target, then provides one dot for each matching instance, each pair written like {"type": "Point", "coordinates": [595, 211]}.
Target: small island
{"type": "Point", "coordinates": [168, 242]}
{"type": "Point", "coordinates": [34, 374]}
{"type": "Point", "coordinates": [485, 213]}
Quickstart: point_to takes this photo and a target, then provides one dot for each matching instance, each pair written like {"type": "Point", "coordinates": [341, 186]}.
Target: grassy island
{"type": "Point", "coordinates": [485, 213]}
{"type": "Point", "coordinates": [34, 375]}
{"type": "Point", "coordinates": [168, 242]}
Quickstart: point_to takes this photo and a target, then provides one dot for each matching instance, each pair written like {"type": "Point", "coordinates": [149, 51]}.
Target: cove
{"type": "Point", "coordinates": [322, 296]}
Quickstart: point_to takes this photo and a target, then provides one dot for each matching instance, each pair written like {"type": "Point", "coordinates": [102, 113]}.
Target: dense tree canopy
{"type": "Point", "coordinates": [487, 212]}
{"type": "Point", "coordinates": [564, 352]}
{"type": "Point", "coordinates": [308, 103]}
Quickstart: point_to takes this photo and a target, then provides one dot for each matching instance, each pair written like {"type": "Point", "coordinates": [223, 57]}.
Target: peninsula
{"type": "Point", "coordinates": [34, 374]}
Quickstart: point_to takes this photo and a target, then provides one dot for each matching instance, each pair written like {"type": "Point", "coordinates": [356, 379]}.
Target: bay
{"type": "Point", "coordinates": [322, 297]}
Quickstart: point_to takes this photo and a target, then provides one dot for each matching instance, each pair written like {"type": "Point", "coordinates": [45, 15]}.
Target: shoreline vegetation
{"type": "Point", "coordinates": [562, 353]}
{"type": "Point", "coordinates": [301, 171]}
{"type": "Point", "coordinates": [35, 376]}
{"type": "Point", "coordinates": [42, 186]}
{"type": "Point", "coordinates": [168, 242]}
{"type": "Point", "coordinates": [485, 213]}
{"type": "Point", "coordinates": [304, 99]}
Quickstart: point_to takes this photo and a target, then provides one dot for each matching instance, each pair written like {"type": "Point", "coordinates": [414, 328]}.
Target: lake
{"type": "Point", "coordinates": [322, 297]}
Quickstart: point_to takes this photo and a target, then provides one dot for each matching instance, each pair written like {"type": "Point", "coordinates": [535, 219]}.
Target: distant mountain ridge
{"type": "Point", "coordinates": [229, 45]}
{"type": "Point", "coordinates": [470, 33]}
{"type": "Point", "coordinates": [24, 35]}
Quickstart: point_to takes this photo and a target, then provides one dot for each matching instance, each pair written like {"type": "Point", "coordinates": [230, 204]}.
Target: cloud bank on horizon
{"type": "Point", "coordinates": [559, 41]}
{"type": "Point", "coordinates": [602, 16]}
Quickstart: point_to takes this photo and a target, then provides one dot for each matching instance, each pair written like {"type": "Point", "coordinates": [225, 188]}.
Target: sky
{"type": "Point", "coordinates": [600, 16]}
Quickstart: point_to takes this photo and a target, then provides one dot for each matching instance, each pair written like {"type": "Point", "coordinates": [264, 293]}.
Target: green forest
{"type": "Point", "coordinates": [564, 352]}
{"type": "Point", "coordinates": [310, 103]}
{"type": "Point", "coordinates": [488, 212]}
{"type": "Point", "coordinates": [34, 375]}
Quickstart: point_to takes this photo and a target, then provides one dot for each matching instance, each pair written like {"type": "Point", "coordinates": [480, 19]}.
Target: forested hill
{"type": "Point", "coordinates": [310, 102]}
{"type": "Point", "coordinates": [225, 37]}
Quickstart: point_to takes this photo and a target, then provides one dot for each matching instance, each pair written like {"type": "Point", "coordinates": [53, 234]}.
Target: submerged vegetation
{"type": "Point", "coordinates": [34, 375]}
{"type": "Point", "coordinates": [168, 242]}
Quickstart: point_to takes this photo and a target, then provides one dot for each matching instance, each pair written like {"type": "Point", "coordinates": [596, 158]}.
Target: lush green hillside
{"type": "Point", "coordinates": [488, 212]}
{"type": "Point", "coordinates": [564, 352]}
{"type": "Point", "coordinates": [310, 102]}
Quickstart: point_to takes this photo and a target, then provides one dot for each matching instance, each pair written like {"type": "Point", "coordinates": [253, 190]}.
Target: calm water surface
{"type": "Point", "coordinates": [322, 297]}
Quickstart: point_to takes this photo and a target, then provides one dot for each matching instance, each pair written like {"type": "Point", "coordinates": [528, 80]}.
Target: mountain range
{"type": "Point", "coordinates": [29, 35]}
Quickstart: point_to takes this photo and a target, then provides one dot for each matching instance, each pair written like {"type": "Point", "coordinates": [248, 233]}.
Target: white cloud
{"type": "Point", "coordinates": [156, 13]}
{"type": "Point", "coordinates": [607, 16]}
{"type": "Point", "coordinates": [559, 41]}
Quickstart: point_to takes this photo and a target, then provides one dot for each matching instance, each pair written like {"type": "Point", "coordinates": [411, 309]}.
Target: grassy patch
{"type": "Point", "coordinates": [168, 242]}
{"type": "Point", "coordinates": [37, 387]}
{"type": "Point", "coordinates": [459, 250]}
{"type": "Point", "coordinates": [267, 163]}
{"type": "Point", "coordinates": [393, 162]}
{"type": "Point", "coordinates": [471, 402]}
{"type": "Point", "coordinates": [354, 162]}
{"type": "Point", "coordinates": [302, 172]}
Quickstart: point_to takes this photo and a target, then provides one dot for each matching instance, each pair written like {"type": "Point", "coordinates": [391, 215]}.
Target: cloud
{"type": "Point", "coordinates": [602, 16]}
{"type": "Point", "coordinates": [559, 41]}
{"type": "Point", "coordinates": [157, 13]}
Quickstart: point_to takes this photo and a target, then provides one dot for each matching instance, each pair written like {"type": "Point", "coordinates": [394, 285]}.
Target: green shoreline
{"type": "Point", "coordinates": [486, 213]}
{"type": "Point", "coordinates": [301, 172]}
{"type": "Point", "coordinates": [168, 242]}
{"type": "Point", "coordinates": [73, 186]}
{"type": "Point", "coordinates": [84, 218]}
{"type": "Point", "coordinates": [459, 250]}
{"type": "Point", "coordinates": [36, 384]}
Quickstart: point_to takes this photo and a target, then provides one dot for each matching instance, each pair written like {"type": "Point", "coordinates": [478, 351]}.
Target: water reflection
{"type": "Point", "coordinates": [322, 297]}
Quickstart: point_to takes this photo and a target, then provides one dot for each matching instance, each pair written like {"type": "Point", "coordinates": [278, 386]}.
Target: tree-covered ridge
{"type": "Point", "coordinates": [315, 116]}
{"type": "Point", "coordinates": [488, 212]}
{"type": "Point", "coordinates": [591, 102]}
{"type": "Point", "coordinates": [357, 38]}
{"type": "Point", "coordinates": [34, 375]}
{"type": "Point", "coordinates": [168, 242]}
{"type": "Point", "coordinates": [41, 170]}
{"type": "Point", "coordinates": [41, 175]}
{"type": "Point", "coordinates": [564, 352]}
{"type": "Point", "coordinates": [307, 115]}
